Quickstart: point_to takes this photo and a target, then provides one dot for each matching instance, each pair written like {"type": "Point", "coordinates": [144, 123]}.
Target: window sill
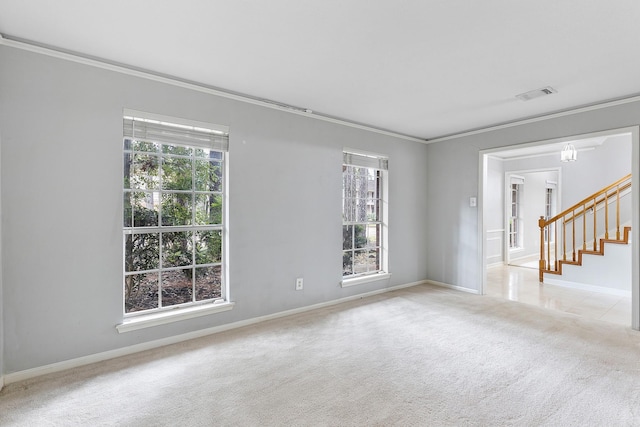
{"type": "Point", "coordinates": [364, 279]}
{"type": "Point", "coordinates": [155, 319]}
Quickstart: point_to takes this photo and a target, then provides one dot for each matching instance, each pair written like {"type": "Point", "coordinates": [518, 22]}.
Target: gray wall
{"type": "Point", "coordinates": [453, 176]}
{"type": "Point", "coordinates": [494, 200]}
{"type": "Point", "coordinates": [1, 285]}
{"type": "Point", "coordinates": [61, 176]}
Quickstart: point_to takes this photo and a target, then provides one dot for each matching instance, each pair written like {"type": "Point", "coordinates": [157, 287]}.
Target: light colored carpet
{"type": "Point", "coordinates": [421, 356]}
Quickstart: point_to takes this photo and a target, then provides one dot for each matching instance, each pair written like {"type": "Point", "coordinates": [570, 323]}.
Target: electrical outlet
{"type": "Point", "coordinates": [299, 284]}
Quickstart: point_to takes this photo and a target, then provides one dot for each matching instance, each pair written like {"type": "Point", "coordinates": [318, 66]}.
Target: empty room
{"type": "Point", "coordinates": [319, 213]}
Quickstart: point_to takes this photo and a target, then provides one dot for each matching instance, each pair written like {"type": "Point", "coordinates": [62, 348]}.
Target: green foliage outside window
{"type": "Point", "coordinates": [177, 187]}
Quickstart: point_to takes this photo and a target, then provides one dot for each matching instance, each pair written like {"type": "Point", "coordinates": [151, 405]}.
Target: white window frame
{"type": "Point", "coordinates": [514, 224]}
{"type": "Point", "coordinates": [548, 209]}
{"type": "Point", "coordinates": [378, 163]}
{"type": "Point", "coordinates": [160, 129]}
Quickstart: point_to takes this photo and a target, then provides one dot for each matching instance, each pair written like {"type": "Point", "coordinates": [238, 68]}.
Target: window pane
{"type": "Point", "coordinates": [208, 283]}
{"type": "Point", "coordinates": [176, 209]}
{"type": "Point", "coordinates": [177, 150]}
{"type": "Point", "coordinates": [360, 261]}
{"type": "Point", "coordinates": [208, 175]}
{"type": "Point", "coordinates": [360, 238]}
{"type": "Point", "coordinates": [177, 287]}
{"type": "Point", "coordinates": [348, 181]}
{"type": "Point", "coordinates": [139, 209]}
{"type": "Point", "coordinates": [176, 173]}
{"type": "Point", "coordinates": [128, 159]}
{"type": "Point", "coordinates": [141, 251]}
{"type": "Point", "coordinates": [177, 249]}
{"type": "Point", "coordinates": [373, 260]}
{"type": "Point", "coordinates": [373, 210]}
{"type": "Point", "coordinates": [148, 147]}
{"type": "Point", "coordinates": [208, 247]}
{"type": "Point", "coordinates": [141, 171]}
{"type": "Point", "coordinates": [373, 235]}
{"type": "Point", "coordinates": [208, 209]}
{"type": "Point", "coordinates": [347, 263]}
{"type": "Point", "coordinates": [128, 210]}
{"type": "Point", "coordinates": [361, 210]}
{"type": "Point", "coordinates": [140, 292]}
{"type": "Point", "coordinates": [348, 209]}
{"type": "Point", "coordinates": [347, 237]}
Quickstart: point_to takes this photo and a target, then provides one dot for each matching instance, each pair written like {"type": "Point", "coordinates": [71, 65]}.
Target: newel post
{"type": "Point", "coordinates": [541, 264]}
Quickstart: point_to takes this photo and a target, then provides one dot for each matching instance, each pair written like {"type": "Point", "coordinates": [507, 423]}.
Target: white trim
{"type": "Point", "coordinates": [599, 106]}
{"type": "Point", "coordinates": [124, 69]}
{"type": "Point", "coordinates": [172, 121]}
{"type": "Point", "coordinates": [584, 287]}
{"type": "Point", "coordinates": [111, 354]}
{"type": "Point", "coordinates": [170, 316]}
{"type": "Point", "coordinates": [364, 279]}
{"type": "Point", "coordinates": [635, 220]}
{"type": "Point", "coordinates": [127, 112]}
{"type": "Point", "coordinates": [454, 287]}
{"type": "Point", "coordinates": [365, 153]}
{"type": "Point", "coordinates": [495, 264]}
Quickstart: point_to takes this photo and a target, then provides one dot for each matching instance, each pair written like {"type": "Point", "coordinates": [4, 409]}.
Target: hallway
{"type": "Point", "coordinates": [521, 284]}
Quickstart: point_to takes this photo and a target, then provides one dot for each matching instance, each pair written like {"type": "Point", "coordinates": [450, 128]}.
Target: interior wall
{"type": "Point", "coordinates": [61, 170]}
{"type": "Point", "coordinates": [594, 169]}
{"type": "Point", "coordinates": [494, 200]}
{"type": "Point", "coordinates": [1, 282]}
{"type": "Point", "coordinates": [452, 231]}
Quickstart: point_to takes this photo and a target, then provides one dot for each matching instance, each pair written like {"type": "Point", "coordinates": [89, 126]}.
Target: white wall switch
{"type": "Point", "coordinates": [473, 202]}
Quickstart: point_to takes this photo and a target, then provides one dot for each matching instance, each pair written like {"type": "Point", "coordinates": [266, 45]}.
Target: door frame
{"type": "Point", "coordinates": [635, 194]}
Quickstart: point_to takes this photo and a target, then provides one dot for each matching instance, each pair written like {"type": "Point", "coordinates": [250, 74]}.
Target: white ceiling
{"type": "Point", "coordinates": [425, 68]}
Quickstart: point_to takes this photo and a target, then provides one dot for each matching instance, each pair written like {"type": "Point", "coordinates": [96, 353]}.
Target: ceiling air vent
{"type": "Point", "coordinates": [527, 96]}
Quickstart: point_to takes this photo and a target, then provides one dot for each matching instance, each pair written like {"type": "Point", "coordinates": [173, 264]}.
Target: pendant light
{"type": "Point", "coordinates": [569, 153]}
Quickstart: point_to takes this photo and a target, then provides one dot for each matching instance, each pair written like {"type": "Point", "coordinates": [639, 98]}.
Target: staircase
{"type": "Point", "coordinates": [586, 228]}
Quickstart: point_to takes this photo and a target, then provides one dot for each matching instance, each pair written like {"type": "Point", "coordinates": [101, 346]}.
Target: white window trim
{"type": "Point", "coordinates": [384, 248]}
{"type": "Point", "coordinates": [140, 320]}
{"type": "Point", "coordinates": [170, 316]}
{"type": "Point", "coordinates": [367, 278]}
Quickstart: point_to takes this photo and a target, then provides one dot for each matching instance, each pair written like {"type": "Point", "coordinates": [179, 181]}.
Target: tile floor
{"type": "Point", "coordinates": [521, 284]}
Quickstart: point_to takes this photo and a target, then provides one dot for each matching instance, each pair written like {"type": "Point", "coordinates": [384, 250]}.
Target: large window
{"type": "Point", "coordinates": [363, 215]}
{"type": "Point", "coordinates": [548, 210]}
{"type": "Point", "coordinates": [173, 230]}
{"type": "Point", "coordinates": [514, 217]}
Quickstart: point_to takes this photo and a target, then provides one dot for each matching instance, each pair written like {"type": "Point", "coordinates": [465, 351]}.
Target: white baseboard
{"type": "Point", "coordinates": [111, 354]}
{"type": "Point", "coordinates": [457, 288]}
{"type": "Point", "coordinates": [496, 264]}
{"type": "Point", "coordinates": [590, 288]}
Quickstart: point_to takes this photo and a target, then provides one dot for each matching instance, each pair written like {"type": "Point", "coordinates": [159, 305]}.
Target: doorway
{"type": "Point", "coordinates": [510, 234]}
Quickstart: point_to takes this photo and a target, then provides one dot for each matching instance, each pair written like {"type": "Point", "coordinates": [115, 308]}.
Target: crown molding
{"type": "Point", "coordinates": [592, 107]}
{"type": "Point", "coordinates": [172, 80]}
